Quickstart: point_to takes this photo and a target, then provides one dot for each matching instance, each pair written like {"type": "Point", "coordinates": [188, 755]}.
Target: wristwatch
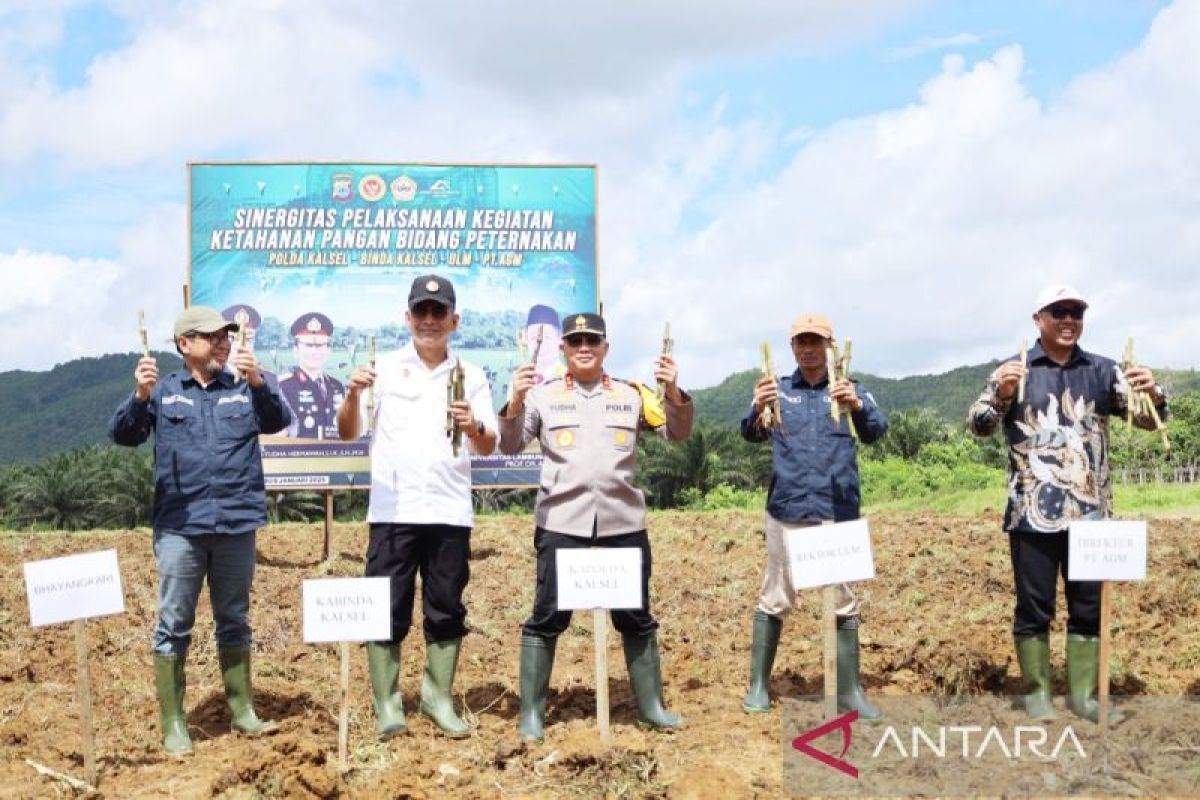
{"type": "Point", "coordinates": [479, 430]}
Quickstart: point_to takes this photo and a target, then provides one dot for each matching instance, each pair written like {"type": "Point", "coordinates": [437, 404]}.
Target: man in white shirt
{"type": "Point", "coordinates": [420, 514]}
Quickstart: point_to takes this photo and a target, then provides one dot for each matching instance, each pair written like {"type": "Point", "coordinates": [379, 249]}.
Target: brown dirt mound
{"type": "Point", "coordinates": [935, 620]}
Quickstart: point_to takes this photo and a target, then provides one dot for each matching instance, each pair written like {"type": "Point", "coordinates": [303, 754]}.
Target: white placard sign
{"type": "Point", "coordinates": [599, 577]}
{"type": "Point", "coordinates": [347, 609]}
{"type": "Point", "coordinates": [824, 555]}
{"type": "Point", "coordinates": [74, 587]}
{"type": "Point", "coordinates": [1108, 550]}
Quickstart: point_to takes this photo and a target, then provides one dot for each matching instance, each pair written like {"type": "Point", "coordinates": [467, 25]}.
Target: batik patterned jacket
{"type": "Point", "coordinates": [1058, 467]}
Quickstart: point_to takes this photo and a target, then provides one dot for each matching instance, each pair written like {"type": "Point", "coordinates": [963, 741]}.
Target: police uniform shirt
{"type": "Point", "coordinates": [314, 403]}
{"type": "Point", "coordinates": [589, 449]}
{"type": "Point", "coordinates": [415, 477]}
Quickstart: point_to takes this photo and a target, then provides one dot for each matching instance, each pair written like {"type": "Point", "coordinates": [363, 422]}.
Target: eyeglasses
{"type": "Point", "coordinates": [580, 339]}
{"type": "Point", "coordinates": [214, 338]}
{"type": "Point", "coordinates": [428, 308]}
{"type": "Point", "coordinates": [1059, 311]}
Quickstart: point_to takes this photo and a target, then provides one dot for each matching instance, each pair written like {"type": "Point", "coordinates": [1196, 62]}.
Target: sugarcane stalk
{"type": "Point", "coordinates": [771, 416]}
{"type": "Point", "coordinates": [1024, 366]}
{"type": "Point", "coordinates": [142, 333]}
{"type": "Point", "coordinates": [537, 346]}
{"type": "Point", "coordinates": [522, 347]}
{"type": "Point", "coordinates": [455, 391]}
{"type": "Point", "coordinates": [371, 388]}
{"type": "Point", "coordinates": [844, 372]}
{"type": "Point", "coordinates": [1139, 403]}
{"type": "Point", "coordinates": [831, 367]}
{"type": "Point", "coordinates": [668, 344]}
{"type": "Point", "coordinates": [241, 342]}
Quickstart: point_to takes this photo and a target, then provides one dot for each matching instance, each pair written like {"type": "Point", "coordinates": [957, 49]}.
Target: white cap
{"type": "Point", "coordinates": [1058, 293]}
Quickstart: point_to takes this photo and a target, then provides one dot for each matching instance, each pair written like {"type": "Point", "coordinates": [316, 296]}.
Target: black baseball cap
{"type": "Point", "coordinates": [431, 287]}
{"type": "Point", "coordinates": [583, 322]}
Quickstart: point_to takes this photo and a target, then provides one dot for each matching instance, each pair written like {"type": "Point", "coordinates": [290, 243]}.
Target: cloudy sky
{"type": "Point", "coordinates": [916, 170]}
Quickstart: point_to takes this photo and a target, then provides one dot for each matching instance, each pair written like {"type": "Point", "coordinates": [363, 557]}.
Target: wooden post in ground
{"type": "Point", "coordinates": [829, 629]}
{"type": "Point", "coordinates": [328, 524]}
{"type": "Point", "coordinates": [83, 680]}
{"type": "Point", "coordinates": [600, 639]}
{"type": "Point", "coordinates": [1105, 648]}
{"type": "Point", "coordinates": [344, 714]}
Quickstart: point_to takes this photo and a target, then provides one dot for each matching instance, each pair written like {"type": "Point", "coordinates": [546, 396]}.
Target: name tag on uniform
{"type": "Point", "coordinates": [171, 399]}
{"type": "Point", "coordinates": [233, 398]}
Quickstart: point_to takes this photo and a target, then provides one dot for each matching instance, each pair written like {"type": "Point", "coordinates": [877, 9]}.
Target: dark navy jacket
{"type": "Point", "coordinates": [816, 465]}
{"type": "Point", "coordinates": [208, 468]}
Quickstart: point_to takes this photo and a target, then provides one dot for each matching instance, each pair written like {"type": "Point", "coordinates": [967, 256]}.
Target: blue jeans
{"type": "Point", "coordinates": [227, 560]}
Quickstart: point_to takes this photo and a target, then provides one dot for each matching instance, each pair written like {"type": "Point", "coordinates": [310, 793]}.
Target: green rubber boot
{"type": "Point", "coordinates": [170, 684]}
{"type": "Point", "coordinates": [537, 660]}
{"type": "Point", "coordinates": [1083, 672]}
{"type": "Point", "coordinates": [1033, 653]}
{"type": "Point", "coordinates": [645, 676]}
{"type": "Point", "coordinates": [762, 658]}
{"type": "Point", "coordinates": [441, 661]}
{"type": "Point", "coordinates": [383, 664]}
{"type": "Point", "coordinates": [235, 674]}
{"type": "Point", "coordinates": [850, 694]}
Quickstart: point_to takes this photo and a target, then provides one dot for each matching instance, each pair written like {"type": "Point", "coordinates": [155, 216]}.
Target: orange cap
{"type": "Point", "coordinates": [812, 323]}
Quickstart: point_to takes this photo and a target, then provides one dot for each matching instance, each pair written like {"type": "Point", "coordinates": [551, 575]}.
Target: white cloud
{"type": "Point", "coordinates": [924, 231]}
{"type": "Point", "coordinates": [927, 231]}
{"type": "Point", "coordinates": [57, 308]}
{"type": "Point", "coordinates": [931, 44]}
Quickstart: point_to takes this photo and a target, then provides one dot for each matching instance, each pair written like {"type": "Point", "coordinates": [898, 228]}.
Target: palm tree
{"type": "Point", "coordinates": [62, 492]}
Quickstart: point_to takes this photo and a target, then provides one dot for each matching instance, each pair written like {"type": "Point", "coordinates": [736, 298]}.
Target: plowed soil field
{"type": "Point", "coordinates": [936, 619]}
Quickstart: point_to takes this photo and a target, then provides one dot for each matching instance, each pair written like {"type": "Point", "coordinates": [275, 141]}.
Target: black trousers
{"type": "Point", "coordinates": [1037, 560]}
{"type": "Point", "coordinates": [440, 553]}
{"type": "Point", "coordinates": [547, 621]}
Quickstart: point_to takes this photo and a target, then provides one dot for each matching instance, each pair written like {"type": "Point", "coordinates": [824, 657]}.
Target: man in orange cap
{"type": "Point", "coordinates": [815, 480]}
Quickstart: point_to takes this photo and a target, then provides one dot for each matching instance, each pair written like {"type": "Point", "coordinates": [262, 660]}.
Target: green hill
{"type": "Point", "coordinates": [42, 413]}
{"type": "Point", "coordinates": [948, 394]}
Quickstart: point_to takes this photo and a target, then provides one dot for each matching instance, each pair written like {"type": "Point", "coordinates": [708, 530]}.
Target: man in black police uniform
{"type": "Point", "coordinates": [312, 395]}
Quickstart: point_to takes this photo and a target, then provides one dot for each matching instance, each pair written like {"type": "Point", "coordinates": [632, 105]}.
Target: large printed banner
{"type": "Point", "coordinates": [314, 258]}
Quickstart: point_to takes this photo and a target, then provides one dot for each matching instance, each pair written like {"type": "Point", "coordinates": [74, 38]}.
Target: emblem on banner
{"type": "Point", "coordinates": [404, 189]}
{"type": "Point", "coordinates": [343, 186]}
{"type": "Point", "coordinates": [371, 188]}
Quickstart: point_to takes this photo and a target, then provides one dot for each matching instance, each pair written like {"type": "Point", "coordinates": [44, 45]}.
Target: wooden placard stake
{"type": "Point", "coordinates": [344, 713]}
{"type": "Point", "coordinates": [328, 524]}
{"type": "Point", "coordinates": [1105, 649]}
{"type": "Point", "coordinates": [84, 682]}
{"type": "Point", "coordinates": [600, 639]}
{"type": "Point", "coordinates": [829, 629]}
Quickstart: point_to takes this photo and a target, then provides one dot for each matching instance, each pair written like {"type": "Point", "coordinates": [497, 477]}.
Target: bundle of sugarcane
{"type": "Point", "coordinates": [1024, 366]}
{"type": "Point", "coordinates": [1140, 402]}
{"type": "Point", "coordinates": [455, 391]}
{"type": "Point", "coordinates": [771, 417]}
{"type": "Point", "coordinates": [142, 333]}
{"type": "Point", "coordinates": [371, 388]}
{"type": "Point", "coordinates": [668, 344]}
{"type": "Point", "coordinates": [838, 364]}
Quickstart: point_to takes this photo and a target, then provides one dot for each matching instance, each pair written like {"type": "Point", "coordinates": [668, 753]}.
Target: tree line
{"type": "Point", "coordinates": [103, 486]}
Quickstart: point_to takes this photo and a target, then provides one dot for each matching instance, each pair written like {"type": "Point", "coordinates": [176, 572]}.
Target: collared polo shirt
{"type": "Point", "coordinates": [415, 476]}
